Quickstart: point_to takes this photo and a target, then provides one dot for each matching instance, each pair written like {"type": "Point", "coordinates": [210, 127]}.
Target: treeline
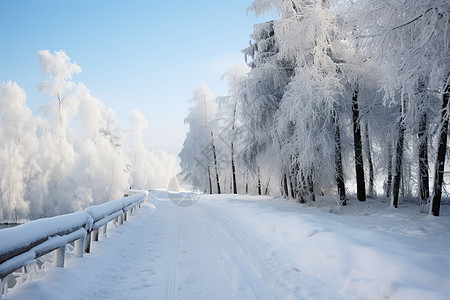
{"type": "Point", "coordinates": [337, 93]}
{"type": "Point", "coordinates": [76, 155]}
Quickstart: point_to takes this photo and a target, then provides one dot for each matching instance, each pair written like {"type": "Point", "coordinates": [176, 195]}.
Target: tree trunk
{"type": "Point", "coordinates": [282, 187]}
{"type": "Point", "coordinates": [310, 182]}
{"type": "Point", "coordinates": [338, 160]}
{"type": "Point", "coordinates": [60, 100]}
{"type": "Point", "coordinates": [295, 169]}
{"type": "Point", "coordinates": [442, 149]}
{"type": "Point", "coordinates": [359, 167]}
{"type": "Point", "coordinates": [210, 180]}
{"type": "Point", "coordinates": [246, 182]}
{"type": "Point", "coordinates": [398, 158]}
{"type": "Point", "coordinates": [293, 193]}
{"type": "Point", "coordinates": [259, 182]}
{"type": "Point", "coordinates": [388, 185]}
{"type": "Point", "coordinates": [215, 164]}
{"type": "Point", "coordinates": [302, 190]}
{"type": "Point", "coordinates": [266, 191]}
{"type": "Point", "coordinates": [233, 169]}
{"type": "Point", "coordinates": [285, 186]}
{"type": "Point", "coordinates": [424, 186]}
{"type": "Point", "coordinates": [370, 162]}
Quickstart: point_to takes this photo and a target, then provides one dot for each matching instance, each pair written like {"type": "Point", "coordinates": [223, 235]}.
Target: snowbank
{"type": "Point", "coordinates": [368, 249]}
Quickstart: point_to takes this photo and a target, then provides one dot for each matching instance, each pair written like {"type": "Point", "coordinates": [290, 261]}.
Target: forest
{"type": "Point", "coordinates": [348, 99]}
{"type": "Point", "coordinates": [75, 155]}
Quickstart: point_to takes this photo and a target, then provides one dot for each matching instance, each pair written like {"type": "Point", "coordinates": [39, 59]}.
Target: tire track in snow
{"type": "Point", "coordinates": [237, 256]}
{"type": "Point", "coordinates": [173, 260]}
{"type": "Point", "coordinates": [281, 275]}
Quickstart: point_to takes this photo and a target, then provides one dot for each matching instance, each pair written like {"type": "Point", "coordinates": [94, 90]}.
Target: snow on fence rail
{"type": "Point", "coordinates": [132, 192]}
{"type": "Point", "coordinates": [22, 245]}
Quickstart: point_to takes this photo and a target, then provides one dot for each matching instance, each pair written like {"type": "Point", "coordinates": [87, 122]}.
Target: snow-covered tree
{"type": "Point", "coordinates": [410, 39]}
{"type": "Point", "coordinates": [140, 164]}
{"type": "Point", "coordinates": [228, 116]}
{"type": "Point", "coordinates": [260, 95]}
{"type": "Point", "coordinates": [58, 149]}
{"type": "Point", "coordinates": [307, 119]}
{"type": "Point", "coordinates": [100, 172]}
{"type": "Point", "coordinates": [199, 156]}
{"type": "Point", "coordinates": [59, 70]}
{"type": "Point", "coordinates": [72, 157]}
{"type": "Point", "coordinates": [17, 144]}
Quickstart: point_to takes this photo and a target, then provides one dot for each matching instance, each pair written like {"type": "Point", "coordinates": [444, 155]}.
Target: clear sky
{"type": "Point", "coordinates": [135, 55]}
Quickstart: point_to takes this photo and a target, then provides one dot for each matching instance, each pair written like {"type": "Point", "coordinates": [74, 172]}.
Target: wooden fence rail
{"type": "Point", "coordinates": [22, 245]}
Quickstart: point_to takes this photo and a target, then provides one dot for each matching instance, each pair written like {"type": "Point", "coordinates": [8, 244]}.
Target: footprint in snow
{"type": "Point", "coordinates": [311, 233]}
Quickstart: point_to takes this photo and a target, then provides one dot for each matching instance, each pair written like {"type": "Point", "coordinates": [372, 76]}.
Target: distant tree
{"type": "Point", "coordinates": [74, 155]}
{"type": "Point", "coordinates": [197, 154]}
{"type": "Point", "coordinates": [100, 172]}
{"type": "Point", "coordinates": [229, 107]}
{"type": "Point", "coordinates": [140, 163]}
{"type": "Point", "coordinates": [59, 70]}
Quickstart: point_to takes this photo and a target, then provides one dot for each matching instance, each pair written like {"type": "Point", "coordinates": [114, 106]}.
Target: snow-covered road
{"type": "Point", "coordinates": [234, 247]}
{"type": "Point", "coordinates": [201, 252]}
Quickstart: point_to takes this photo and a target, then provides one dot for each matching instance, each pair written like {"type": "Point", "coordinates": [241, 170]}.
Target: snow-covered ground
{"type": "Point", "coordinates": [243, 247]}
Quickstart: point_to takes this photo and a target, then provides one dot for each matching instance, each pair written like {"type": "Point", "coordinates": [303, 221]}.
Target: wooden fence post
{"type": "Point", "coordinates": [79, 247]}
{"type": "Point", "coordinates": [4, 285]}
{"type": "Point", "coordinates": [105, 229]}
{"type": "Point", "coordinates": [95, 235]}
{"type": "Point", "coordinates": [88, 242]}
{"type": "Point", "coordinates": [60, 254]}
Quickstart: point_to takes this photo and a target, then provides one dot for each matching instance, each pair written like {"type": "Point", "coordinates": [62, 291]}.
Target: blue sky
{"type": "Point", "coordinates": [135, 55]}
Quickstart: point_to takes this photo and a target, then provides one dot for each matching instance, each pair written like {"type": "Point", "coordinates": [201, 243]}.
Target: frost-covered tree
{"type": "Point", "coordinates": [260, 95]}
{"type": "Point", "coordinates": [230, 121]}
{"type": "Point", "coordinates": [199, 156]}
{"type": "Point", "coordinates": [57, 148]}
{"type": "Point", "coordinates": [72, 157]}
{"type": "Point", "coordinates": [410, 39]}
{"type": "Point", "coordinates": [226, 119]}
{"type": "Point", "coordinates": [100, 172]}
{"type": "Point", "coordinates": [59, 71]}
{"type": "Point", "coordinates": [305, 35]}
{"type": "Point", "coordinates": [359, 102]}
{"type": "Point", "coordinates": [140, 164]}
{"type": "Point", "coordinates": [17, 144]}
{"type": "Point", "coordinates": [147, 168]}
